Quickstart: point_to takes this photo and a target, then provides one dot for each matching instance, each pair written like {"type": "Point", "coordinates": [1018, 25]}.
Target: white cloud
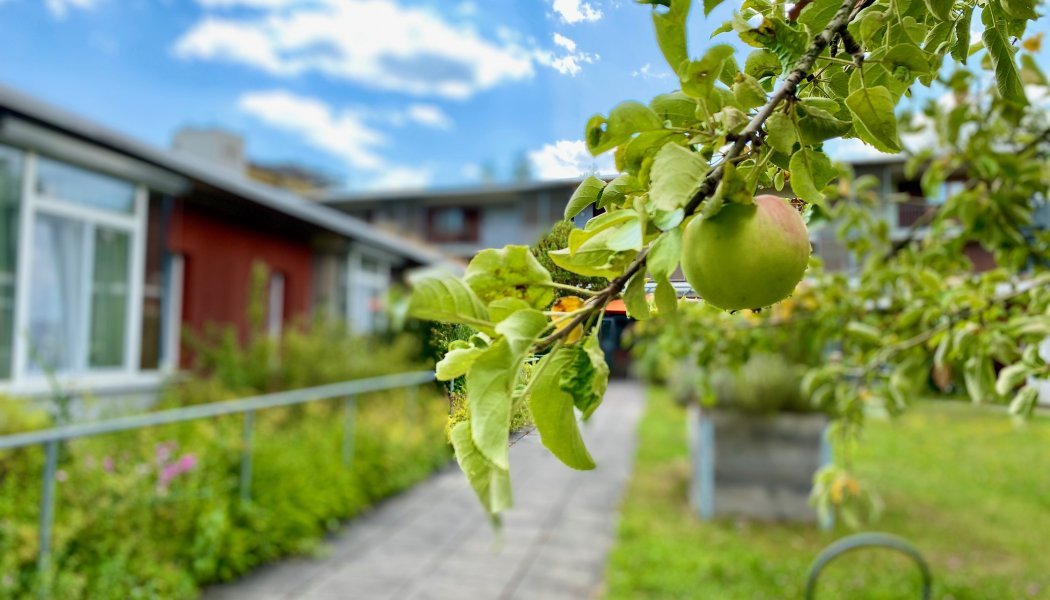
{"type": "Point", "coordinates": [569, 63]}
{"type": "Point", "coordinates": [344, 134]}
{"type": "Point", "coordinates": [428, 115]}
{"type": "Point", "coordinates": [568, 158]}
{"type": "Point", "coordinates": [376, 43]}
{"type": "Point", "coordinates": [564, 42]}
{"type": "Point", "coordinates": [574, 11]}
{"type": "Point", "coordinates": [401, 178]}
{"type": "Point", "coordinates": [60, 8]}
{"type": "Point", "coordinates": [647, 72]}
{"type": "Point", "coordinates": [247, 3]}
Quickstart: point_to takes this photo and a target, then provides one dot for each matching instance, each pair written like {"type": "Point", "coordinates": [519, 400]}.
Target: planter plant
{"type": "Point", "coordinates": [756, 450]}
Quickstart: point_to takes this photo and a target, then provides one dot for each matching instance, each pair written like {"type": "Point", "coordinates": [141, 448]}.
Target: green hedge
{"type": "Point", "coordinates": [156, 513]}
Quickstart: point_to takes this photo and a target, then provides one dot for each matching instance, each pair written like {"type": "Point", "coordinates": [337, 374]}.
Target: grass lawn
{"type": "Point", "coordinates": [962, 483]}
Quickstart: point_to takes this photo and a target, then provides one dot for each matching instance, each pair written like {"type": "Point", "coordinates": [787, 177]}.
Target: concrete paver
{"type": "Point", "coordinates": [435, 543]}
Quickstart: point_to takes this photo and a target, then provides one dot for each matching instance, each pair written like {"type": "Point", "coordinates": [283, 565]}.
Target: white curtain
{"type": "Point", "coordinates": [56, 294]}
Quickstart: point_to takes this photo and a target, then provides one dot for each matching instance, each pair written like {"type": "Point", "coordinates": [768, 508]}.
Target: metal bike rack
{"type": "Point", "coordinates": [868, 540]}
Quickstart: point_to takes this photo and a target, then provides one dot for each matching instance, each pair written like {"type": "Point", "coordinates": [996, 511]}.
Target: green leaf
{"type": "Point", "coordinates": [877, 75]}
{"type": "Point", "coordinates": [675, 108]}
{"type": "Point", "coordinates": [553, 410]}
{"type": "Point", "coordinates": [873, 118]}
{"type": "Point", "coordinates": [979, 377]}
{"type": "Point", "coordinates": [780, 133]}
{"type": "Point", "coordinates": [762, 63]}
{"type": "Point", "coordinates": [818, 14]}
{"type": "Point", "coordinates": [1010, 377]}
{"type": "Point", "coordinates": [457, 361]}
{"type": "Point", "coordinates": [1031, 74]}
{"type": "Point", "coordinates": [1023, 405]}
{"type": "Point", "coordinates": [1019, 9]}
{"type": "Point", "coordinates": [671, 34]}
{"type": "Point", "coordinates": [749, 94]}
{"type": "Point", "coordinates": [817, 124]}
{"type": "Point", "coordinates": [996, 40]}
{"type": "Point", "coordinates": [810, 170]}
{"type": "Point", "coordinates": [588, 377]}
{"type": "Point", "coordinates": [666, 297]}
{"type": "Point", "coordinates": [490, 483]}
{"type": "Point", "coordinates": [491, 379]}
{"type": "Point", "coordinates": [634, 297]}
{"type": "Point", "coordinates": [634, 154]}
{"type": "Point", "coordinates": [910, 56]}
{"type": "Point", "coordinates": [699, 76]}
{"type": "Point", "coordinates": [504, 307]}
{"type": "Point", "coordinates": [448, 300]}
{"type": "Point", "coordinates": [710, 5]}
{"type": "Point", "coordinates": [589, 192]}
{"type": "Point", "coordinates": [961, 48]}
{"type": "Point", "coordinates": [615, 193]}
{"type": "Point", "coordinates": [604, 247]}
{"type": "Point", "coordinates": [676, 175]}
{"type": "Point", "coordinates": [625, 120]}
{"type": "Point", "coordinates": [779, 37]}
{"type": "Point", "coordinates": [864, 333]}
{"type": "Point", "coordinates": [667, 250]}
{"type": "Point", "coordinates": [512, 272]}
{"type": "Point", "coordinates": [941, 9]}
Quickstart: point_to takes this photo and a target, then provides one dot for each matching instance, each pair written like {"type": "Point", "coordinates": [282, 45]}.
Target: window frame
{"type": "Point", "coordinates": [134, 224]}
{"type": "Point", "coordinates": [361, 282]}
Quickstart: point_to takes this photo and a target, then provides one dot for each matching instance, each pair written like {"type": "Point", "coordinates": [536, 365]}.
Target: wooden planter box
{"type": "Point", "coordinates": [755, 467]}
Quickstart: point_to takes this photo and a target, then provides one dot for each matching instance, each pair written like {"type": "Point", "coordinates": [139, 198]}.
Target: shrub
{"type": "Point", "coordinates": [557, 239]}
{"type": "Point", "coordinates": [156, 513]}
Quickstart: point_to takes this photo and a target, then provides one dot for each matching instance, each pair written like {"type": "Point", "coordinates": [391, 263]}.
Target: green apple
{"type": "Point", "coordinates": [746, 256]}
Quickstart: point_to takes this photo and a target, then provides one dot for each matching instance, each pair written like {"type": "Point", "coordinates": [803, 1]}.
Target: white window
{"type": "Point", "coordinates": [367, 290]}
{"type": "Point", "coordinates": [10, 192]}
{"type": "Point", "coordinates": [275, 305]}
{"type": "Point", "coordinates": [79, 285]}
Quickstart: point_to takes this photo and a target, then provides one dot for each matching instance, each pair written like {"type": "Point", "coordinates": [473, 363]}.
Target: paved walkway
{"type": "Point", "coordinates": [434, 541]}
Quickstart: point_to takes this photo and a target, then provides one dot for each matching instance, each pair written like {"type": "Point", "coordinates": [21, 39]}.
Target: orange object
{"type": "Point", "coordinates": [616, 307]}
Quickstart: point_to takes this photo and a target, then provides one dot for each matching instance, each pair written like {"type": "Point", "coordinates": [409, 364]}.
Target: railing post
{"type": "Point", "coordinates": [47, 514]}
{"type": "Point", "coordinates": [349, 416]}
{"type": "Point", "coordinates": [246, 456]}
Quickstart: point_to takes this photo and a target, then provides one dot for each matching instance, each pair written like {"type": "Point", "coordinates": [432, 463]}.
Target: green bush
{"type": "Point", "coordinates": [157, 513]}
{"type": "Point", "coordinates": [766, 383]}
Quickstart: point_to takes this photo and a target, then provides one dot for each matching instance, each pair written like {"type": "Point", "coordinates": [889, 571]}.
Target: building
{"type": "Point", "coordinates": [463, 221]}
{"type": "Point", "coordinates": [110, 247]}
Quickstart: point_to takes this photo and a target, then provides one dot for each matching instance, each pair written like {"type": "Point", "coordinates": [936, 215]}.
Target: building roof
{"type": "Point", "coordinates": [486, 192]}
{"type": "Point", "coordinates": [288, 203]}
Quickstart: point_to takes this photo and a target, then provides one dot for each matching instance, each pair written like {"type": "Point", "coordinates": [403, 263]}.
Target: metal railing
{"type": "Point", "coordinates": [348, 390]}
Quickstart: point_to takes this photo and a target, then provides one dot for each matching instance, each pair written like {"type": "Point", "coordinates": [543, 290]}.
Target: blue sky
{"type": "Point", "coordinates": [379, 93]}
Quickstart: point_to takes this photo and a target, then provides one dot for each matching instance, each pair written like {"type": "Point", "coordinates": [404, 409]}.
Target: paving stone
{"type": "Point", "coordinates": [433, 542]}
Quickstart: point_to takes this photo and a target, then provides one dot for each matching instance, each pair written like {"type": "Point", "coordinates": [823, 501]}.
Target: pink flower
{"type": "Point", "coordinates": [165, 450]}
{"type": "Point", "coordinates": [60, 475]}
{"type": "Point", "coordinates": [170, 471]}
{"type": "Point", "coordinates": [107, 464]}
{"type": "Point", "coordinates": [187, 463]}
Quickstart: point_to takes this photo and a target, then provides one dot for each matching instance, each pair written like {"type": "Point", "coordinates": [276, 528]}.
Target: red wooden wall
{"type": "Point", "coordinates": [219, 253]}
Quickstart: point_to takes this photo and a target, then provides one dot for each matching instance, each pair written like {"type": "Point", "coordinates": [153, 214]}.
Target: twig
{"type": "Point", "coordinates": [796, 10]}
